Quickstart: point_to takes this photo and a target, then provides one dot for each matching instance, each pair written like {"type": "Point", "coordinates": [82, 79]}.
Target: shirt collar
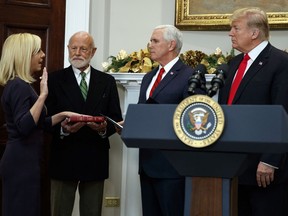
{"type": "Point", "coordinates": [168, 66]}
{"type": "Point", "coordinates": [253, 54]}
{"type": "Point", "coordinates": [77, 71]}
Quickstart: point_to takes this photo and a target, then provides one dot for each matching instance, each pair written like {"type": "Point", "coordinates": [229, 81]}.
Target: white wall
{"type": "Point", "coordinates": [127, 24]}
{"type": "Point", "coordinates": [130, 23]}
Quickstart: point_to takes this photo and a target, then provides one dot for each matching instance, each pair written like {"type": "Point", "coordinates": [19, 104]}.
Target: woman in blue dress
{"type": "Point", "coordinates": [25, 116]}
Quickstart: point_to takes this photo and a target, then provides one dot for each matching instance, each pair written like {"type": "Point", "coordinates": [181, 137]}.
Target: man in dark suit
{"type": "Point", "coordinates": [162, 188]}
{"type": "Point", "coordinates": [80, 151]}
{"type": "Point", "coordinates": [262, 190]}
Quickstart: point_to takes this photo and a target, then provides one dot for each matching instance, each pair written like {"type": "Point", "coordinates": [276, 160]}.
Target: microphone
{"type": "Point", "coordinates": [197, 80]}
{"type": "Point", "coordinates": [218, 80]}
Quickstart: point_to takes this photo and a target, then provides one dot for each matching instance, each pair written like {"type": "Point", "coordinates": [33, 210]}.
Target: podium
{"type": "Point", "coordinates": [210, 172]}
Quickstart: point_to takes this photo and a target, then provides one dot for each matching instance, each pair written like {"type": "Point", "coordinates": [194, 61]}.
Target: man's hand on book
{"type": "Point", "coordinates": [99, 127]}
{"type": "Point", "coordinates": [69, 127]}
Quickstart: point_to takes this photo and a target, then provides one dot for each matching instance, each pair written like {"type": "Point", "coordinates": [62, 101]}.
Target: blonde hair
{"type": "Point", "coordinates": [256, 18]}
{"type": "Point", "coordinates": [16, 57]}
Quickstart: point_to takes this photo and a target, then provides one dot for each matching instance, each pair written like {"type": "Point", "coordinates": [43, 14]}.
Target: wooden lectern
{"type": "Point", "coordinates": [211, 172]}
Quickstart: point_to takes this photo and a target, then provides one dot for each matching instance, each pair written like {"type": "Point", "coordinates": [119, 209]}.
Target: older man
{"type": "Point", "coordinates": [259, 75]}
{"type": "Point", "coordinates": [80, 151]}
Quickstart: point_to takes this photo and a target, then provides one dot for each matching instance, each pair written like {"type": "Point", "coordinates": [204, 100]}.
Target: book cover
{"type": "Point", "coordinates": [86, 118]}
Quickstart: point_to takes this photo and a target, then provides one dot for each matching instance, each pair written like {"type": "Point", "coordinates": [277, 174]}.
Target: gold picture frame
{"type": "Point", "coordinates": [214, 15]}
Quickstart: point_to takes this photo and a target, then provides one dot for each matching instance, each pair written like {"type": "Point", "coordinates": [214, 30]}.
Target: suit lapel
{"type": "Point", "coordinates": [174, 71]}
{"type": "Point", "coordinates": [95, 92]}
{"type": "Point", "coordinates": [256, 66]}
{"type": "Point", "coordinates": [73, 94]}
{"type": "Point", "coordinates": [71, 89]}
{"type": "Point", "coordinates": [148, 78]}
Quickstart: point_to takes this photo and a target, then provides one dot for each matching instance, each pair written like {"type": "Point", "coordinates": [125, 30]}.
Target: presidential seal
{"type": "Point", "coordinates": [198, 121]}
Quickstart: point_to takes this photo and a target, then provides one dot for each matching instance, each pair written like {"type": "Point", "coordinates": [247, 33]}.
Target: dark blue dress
{"type": "Point", "coordinates": [20, 164]}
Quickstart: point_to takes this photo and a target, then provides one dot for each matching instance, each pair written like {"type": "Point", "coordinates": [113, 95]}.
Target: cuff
{"type": "Point", "coordinates": [269, 165]}
{"type": "Point", "coordinates": [102, 134]}
{"type": "Point", "coordinates": [62, 133]}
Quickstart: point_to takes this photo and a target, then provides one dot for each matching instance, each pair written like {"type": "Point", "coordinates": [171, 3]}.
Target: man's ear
{"type": "Point", "coordinates": [94, 51]}
{"type": "Point", "coordinates": [255, 33]}
{"type": "Point", "coordinates": [172, 45]}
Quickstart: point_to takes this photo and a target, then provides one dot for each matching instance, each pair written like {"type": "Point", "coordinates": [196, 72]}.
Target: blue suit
{"type": "Point", "coordinates": [152, 163]}
{"type": "Point", "coordinates": [20, 166]}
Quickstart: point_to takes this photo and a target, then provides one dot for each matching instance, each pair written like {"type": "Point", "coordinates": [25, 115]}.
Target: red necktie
{"type": "Point", "coordinates": [238, 78]}
{"type": "Point", "coordinates": [158, 79]}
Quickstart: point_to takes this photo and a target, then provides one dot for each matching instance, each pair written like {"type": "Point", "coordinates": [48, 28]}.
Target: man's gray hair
{"type": "Point", "coordinates": [171, 33]}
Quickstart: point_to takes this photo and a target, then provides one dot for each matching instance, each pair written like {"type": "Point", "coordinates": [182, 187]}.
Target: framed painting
{"type": "Point", "coordinates": [214, 15]}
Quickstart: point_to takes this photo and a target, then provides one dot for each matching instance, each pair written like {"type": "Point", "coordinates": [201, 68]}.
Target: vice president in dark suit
{"type": "Point", "coordinates": [162, 188]}
{"type": "Point", "coordinates": [80, 151]}
{"type": "Point", "coordinates": [262, 189]}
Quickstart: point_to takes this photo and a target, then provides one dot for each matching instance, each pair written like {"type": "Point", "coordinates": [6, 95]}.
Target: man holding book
{"type": "Point", "coordinates": [80, 150]}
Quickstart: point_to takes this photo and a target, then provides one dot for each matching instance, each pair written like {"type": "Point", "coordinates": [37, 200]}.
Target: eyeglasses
{"type": "Point", "coordinates": [81, 49]}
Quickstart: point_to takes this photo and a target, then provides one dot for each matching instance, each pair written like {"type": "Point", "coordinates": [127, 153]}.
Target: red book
{"type": "Point", "coordinates": [86, 118]}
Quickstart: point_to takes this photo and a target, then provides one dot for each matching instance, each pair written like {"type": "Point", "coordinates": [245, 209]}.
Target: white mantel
{"type": "Point", "coordinates": [128, 88]}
